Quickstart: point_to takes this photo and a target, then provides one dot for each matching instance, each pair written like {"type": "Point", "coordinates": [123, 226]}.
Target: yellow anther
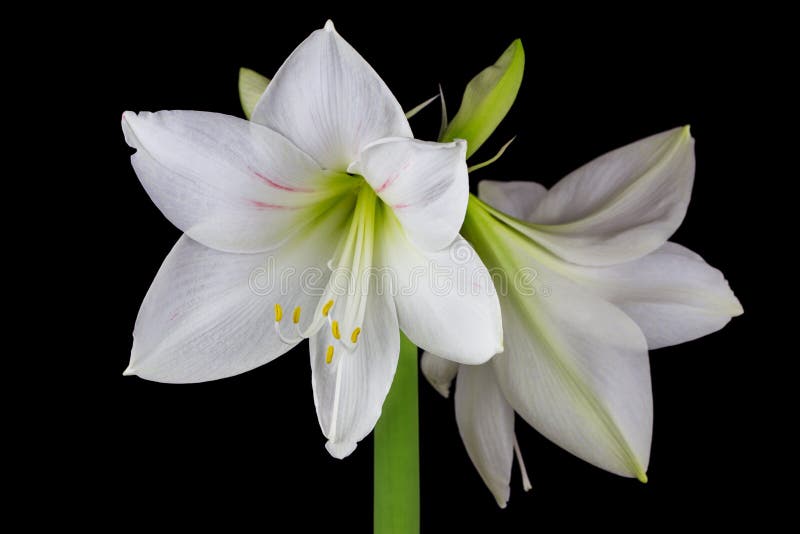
{"type": "Point", "coordinates": [329, 354]}
{"type": "Point", "coordinates": [278, 313]}
{"type": "Point", "coordinates": [296, 315]}
{"type": "Point", "coordinates": [327, 308]}
{"type": "Point", "coordinates": [354, 335]}
{"type": "Point", "coordinates": [335, 329]}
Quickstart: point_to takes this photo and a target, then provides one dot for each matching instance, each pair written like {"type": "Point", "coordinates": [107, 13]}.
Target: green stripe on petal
{"type": "Point", "coordinates": [618, 207]}
{"type": "Point", "coordinates": [575, 367]}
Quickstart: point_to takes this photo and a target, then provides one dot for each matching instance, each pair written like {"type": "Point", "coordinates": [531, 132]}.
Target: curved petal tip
{"type": "Point", "coordinates": [129, 371]}
{"type": "Point", "coordinates": [340, 450]}
{"type": "Point", "coordinates": [329, 26]}
{"type": "Point", "coordinates": [443, 388]}
{"type": "Point", "coordinates": [128, 118]}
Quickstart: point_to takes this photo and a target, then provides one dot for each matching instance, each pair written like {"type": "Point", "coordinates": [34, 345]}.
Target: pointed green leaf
{"type": "Point", "coordinates": [443, 124]}
{"type": "Point", "coordinates": [487, 99]}
{"type": "Point", "coordinates": [493, 159]}
{"type": "Point", "coordinates": [413, 111]}
{"type": "Point", "coordinates": [251, 86]}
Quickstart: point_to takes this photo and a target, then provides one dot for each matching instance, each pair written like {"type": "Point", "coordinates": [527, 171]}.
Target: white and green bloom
{"type": "Point", "coordinates": [592, 284]}
{"type": "Point", "coordinates": [287, 219]}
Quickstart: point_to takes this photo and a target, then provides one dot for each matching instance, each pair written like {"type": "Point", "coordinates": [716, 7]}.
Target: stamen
{"type": "Point", "coordinates": [354, 335]}
{"type": "Point", "coordinates": [296, 315]}
{"type": "Point", "coordinates": [279, 317]}
{"type": "Point", "coordinates": [287, 340]}
{"type": "Point", "coordinates": [353, 258]}
{"type": "Point", "coordinates": [526, 483]}
{"type": "Point", "coordinates": [316, 322]}
{"type": "Point", "coordinates": [329, 354]}
{"type": "Point", "coordinates": [357, 258]}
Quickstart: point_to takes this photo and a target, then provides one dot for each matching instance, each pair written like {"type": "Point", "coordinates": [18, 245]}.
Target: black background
{"type": "Point", "coordinates": [249, 447]}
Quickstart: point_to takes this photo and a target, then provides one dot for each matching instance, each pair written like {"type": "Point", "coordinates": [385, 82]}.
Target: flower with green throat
{"type": "Point", "coordinates": [320, 218]}
{"type": "Point", "coordinates": [589, 284]}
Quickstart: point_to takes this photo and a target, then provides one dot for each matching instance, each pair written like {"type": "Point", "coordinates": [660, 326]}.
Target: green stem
{"type": "Point", "coordinates": [396, 497]}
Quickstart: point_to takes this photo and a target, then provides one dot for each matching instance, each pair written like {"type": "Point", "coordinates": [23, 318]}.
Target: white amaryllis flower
{"type": "Point", "coordinates": [592, 284]}
{"type": "Point", "coordinates": [323, 219]}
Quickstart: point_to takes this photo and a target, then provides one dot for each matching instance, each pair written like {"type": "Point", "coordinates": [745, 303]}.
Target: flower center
{"type": "Point", "coordinates": [343, 305]}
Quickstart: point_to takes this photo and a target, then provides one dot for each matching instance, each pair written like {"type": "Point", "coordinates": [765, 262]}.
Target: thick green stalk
{"type": "Point", "coordinates": [396, 491]}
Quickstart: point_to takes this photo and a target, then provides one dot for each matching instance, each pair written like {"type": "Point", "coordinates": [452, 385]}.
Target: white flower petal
{"type": "Point", "coordinates": [620, 206]}
{"type": "Point", "coordinates": [576, 368]}
{"type": "Point", "coordinates": [517, 199]}
{"type": "Point", "coordinates": [486, 424]}
{"type": "Point", "coordinates": [672, 294]}
{"type": "Point", "coordinates": [349, 392]}
{"type": "Point", "coordinates": [228, 183]}
{"type": "Point", "coordinates": [439, 372]}
{"type": "Point", "coordinates": [210, 314]}
{"type": "Point", "coordinates": [446, 301]}
{"type": "Point", "coordinates": [329, 101]}
{"type": "Point", "coordinates": [425, 184]}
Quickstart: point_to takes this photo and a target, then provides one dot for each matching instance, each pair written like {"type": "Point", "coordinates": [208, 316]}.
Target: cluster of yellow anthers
{"type": "Point", "coordinates": [334, 324]}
